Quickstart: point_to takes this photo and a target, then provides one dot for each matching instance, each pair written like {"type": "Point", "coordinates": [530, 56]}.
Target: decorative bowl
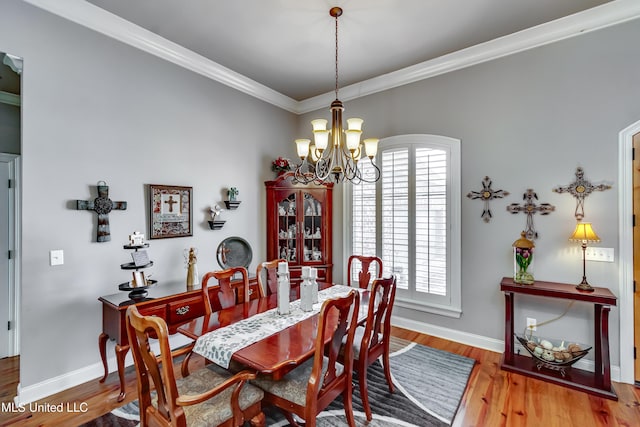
{"type": "Point", "coordinates": [552, 354]}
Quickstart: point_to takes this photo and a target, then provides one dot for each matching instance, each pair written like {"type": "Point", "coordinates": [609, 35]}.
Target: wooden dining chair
{"type": "Point", "coordinates": [209, 396]}
{"type": "Point", "coordinates": [311, 387]}
{"type": "Point", "coordinates": [229, 293]}
{"type": "Point", "coordinates": [372, 340]}
{"type": "Point", "coordinates": [364, 272]}
{"type": "Point", "coordinates": [269, 283]}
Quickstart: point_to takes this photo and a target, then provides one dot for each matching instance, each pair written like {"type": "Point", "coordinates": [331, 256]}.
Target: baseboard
{"type": "Point", "coordinates": [32, 393]}
{"type": "Point", "coordinates": [480, 341]}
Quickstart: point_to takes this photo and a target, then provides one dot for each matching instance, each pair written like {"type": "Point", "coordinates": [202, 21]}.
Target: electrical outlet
{"type": "Point", "coordinates": [531, 324]}
{"type": "Point", "coordinates": [56, 257]}
{"type": "Point", "coordinates": [596, 253]}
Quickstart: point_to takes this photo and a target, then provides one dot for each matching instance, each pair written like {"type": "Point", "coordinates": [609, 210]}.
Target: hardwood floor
{"type": "Point", "coordinates": [493, 397]}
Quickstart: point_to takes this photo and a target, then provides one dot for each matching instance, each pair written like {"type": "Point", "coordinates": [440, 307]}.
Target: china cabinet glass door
{"type": "Point", "coordinates": [312, 228]}
{"type": "Point", "coordinates": [287, 228]}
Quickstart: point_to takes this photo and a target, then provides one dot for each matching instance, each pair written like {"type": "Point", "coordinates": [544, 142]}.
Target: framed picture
{"type": "Point", "coordinates": [170, 211]}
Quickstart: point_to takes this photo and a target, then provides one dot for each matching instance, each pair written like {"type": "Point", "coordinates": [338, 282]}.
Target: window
{"type": "Point", "coordinates": [411, 219]}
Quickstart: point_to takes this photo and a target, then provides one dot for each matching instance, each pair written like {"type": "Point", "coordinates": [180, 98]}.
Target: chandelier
{"type": "Point", "coordinates": [335, 153]}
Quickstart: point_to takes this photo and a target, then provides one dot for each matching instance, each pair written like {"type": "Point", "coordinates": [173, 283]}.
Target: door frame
{"type": "Point", "coordinates": [625, 231]}
{"type": "Point", "coordinates": [15, 216]}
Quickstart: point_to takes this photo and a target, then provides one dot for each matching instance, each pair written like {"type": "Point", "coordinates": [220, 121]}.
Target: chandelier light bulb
{"type": "Point", "coordinates": [321, 138]}
{"type": "Point", "coordinates": [353, 139]}
{"type": "Point", "coordinates": [354, 124]}
{"type": "Point", "coordinates": [371, 147]}
{"type": "Point", "coordinates": [302, 146]}
{"type": "Point", "coordinates": [319, 124]}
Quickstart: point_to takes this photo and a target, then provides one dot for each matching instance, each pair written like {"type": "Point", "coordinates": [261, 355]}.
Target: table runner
{"type": "Point", "coordinates": [219, 345]}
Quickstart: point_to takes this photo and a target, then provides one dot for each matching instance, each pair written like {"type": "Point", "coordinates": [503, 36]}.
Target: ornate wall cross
{"type": "Point", "coordinates": [102, 205]}
{"type": "Point", "coordinates": [487, 194]}
{"type": "Point", "coordinates": [580, 189]}
{"type": "Point", "coordinates": [529, 207]}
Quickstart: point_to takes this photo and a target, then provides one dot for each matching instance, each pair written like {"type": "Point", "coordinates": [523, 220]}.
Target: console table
{"type": "Point", "coordinates": [173, 303]}
{"type": "Point", "coordinates": [597, 383]}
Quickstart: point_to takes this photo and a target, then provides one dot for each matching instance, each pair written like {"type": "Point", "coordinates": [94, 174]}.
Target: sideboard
{"type": "Point", "coordinates": [173, 303]}
{"type": "Point", "coordinates": [598, 382]}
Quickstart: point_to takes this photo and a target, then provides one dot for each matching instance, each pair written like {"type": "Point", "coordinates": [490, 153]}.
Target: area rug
{"type": "Point", "coordinates": [429, 387]}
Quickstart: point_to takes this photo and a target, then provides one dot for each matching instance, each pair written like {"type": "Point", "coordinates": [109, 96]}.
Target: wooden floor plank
{"type": "Point", "coordinates": [493, 397]}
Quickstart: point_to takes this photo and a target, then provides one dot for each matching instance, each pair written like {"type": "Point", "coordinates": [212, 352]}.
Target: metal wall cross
{"type": "Point", "coordinates": [486, 195]}
{"type": "Point", "coordinates": [529, 207]}
{"type": "Point", "coordinates": [580, 189]}
{"type": "Point", "coordinates": [102, 205]}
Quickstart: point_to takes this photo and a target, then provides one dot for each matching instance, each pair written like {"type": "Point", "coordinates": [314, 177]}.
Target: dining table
{"type": "Point", "coordinates": [287, 340]}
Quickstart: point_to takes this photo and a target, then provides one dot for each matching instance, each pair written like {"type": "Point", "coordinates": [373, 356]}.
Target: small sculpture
{"type": "Point", "coordinates": [215, 211]}
{"type": "Point", "coordinates": [136, 239]}
{"type": "Point", "coordinates": [233, 193]}
{"type": "Point", "coordinates": [192, 268]}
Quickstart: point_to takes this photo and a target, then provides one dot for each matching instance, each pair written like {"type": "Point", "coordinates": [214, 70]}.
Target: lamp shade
{"type": "Point", "coordinates": [584, 233]}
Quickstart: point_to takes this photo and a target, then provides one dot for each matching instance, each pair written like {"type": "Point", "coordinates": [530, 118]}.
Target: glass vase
{"type": "Point", "coordinates": [523, 250]}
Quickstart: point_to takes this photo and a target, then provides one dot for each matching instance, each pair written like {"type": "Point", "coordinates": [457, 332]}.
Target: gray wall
{"type": "Point", "coordinates": [95, 109]}
{"type": "Point", "coordinates": [9, 129]}
{"type": "Point", "coordinates": [527, 121]}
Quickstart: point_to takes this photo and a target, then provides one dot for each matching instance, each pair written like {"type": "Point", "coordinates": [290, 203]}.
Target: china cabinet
{"type": "Point", "coordinates": [299, 225]}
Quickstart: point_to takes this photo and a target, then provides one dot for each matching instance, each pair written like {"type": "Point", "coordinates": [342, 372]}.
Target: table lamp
{"type": "Point", "coordinates": [584, 233]}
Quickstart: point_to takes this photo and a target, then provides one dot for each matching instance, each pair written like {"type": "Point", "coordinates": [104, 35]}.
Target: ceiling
{"type": "Point", "coordinates": [288, 45]}
{"type": "Point", "coordinates": [283, 51]}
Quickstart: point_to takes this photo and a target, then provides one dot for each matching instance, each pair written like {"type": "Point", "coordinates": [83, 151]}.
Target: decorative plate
{"type": "Point", "coordinates": [234, 252]}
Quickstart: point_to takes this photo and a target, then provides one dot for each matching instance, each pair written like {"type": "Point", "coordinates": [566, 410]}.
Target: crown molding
{"type": "Point", "coordinates": [599, 17]}
{"type": "Point", "coordinates": [97, 19]}
{"type": "Point", "coordinates": [88, 15]}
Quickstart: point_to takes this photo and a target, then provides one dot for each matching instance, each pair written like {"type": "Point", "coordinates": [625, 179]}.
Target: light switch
{"type": "Point", "coordinates": [56, 257]}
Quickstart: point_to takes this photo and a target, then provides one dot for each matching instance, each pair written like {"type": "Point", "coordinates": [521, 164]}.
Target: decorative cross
{"type": "Point", "coordinates": [530, 208]}
{"type": "Point", "coordinates": [580, 189]}
{"type": "Point", "coordinates": [102, 205]}
{"type": "Point", "coordinates": [486, 195]}
{"type": "Point", "coordinates": [170, 202]}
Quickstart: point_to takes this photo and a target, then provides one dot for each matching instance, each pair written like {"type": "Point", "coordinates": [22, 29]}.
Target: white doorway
{"type": "Point", "coordinates": [9, 251]}
{"type": "Point", "coordinates": [626, 288]}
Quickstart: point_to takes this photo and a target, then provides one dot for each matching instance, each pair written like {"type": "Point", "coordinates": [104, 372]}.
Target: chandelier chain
{"type": "Point", "coordinates": [336, 90]}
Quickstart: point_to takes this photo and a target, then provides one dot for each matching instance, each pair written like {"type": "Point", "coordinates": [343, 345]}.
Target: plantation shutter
{"type": "Point", "coordinates": [364, 217]}
{"type": "Point", "coordinates": [431, 220]}
{"type": "Point", "coordinates": [395, 214]}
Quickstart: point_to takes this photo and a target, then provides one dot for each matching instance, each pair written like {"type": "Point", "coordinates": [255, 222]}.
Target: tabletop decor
{"type": "Point", "coordinates": [170, 211]}
{"type": "Point", "coordinates": [486, 195]}
{"type": "Point", "coordinates": [232, 203]}
{"type": "Point", "coordinates": [281, 165]}
{"type": "Point", "coordinates": [216, 224]}
{"type": "Point", "coordinates": [580, 189]}
{"type": "Point", "coordinates": [584, 234]}
{"type": "Point", "coordinates": [529, 207]}
{"type": "Point", "coordinates": [522, 260]}
{"type": "Point", "coordinates": [234, 252]}
{"type": "Point", "coordinates": [553, 354]}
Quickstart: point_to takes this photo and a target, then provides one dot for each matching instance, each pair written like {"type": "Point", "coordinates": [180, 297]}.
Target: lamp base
{"type": "Point", "coordinates": [585, 287]}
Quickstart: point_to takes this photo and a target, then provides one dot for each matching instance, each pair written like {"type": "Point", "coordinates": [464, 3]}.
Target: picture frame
{"type": "Point", "coordinates": [170, 211]}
